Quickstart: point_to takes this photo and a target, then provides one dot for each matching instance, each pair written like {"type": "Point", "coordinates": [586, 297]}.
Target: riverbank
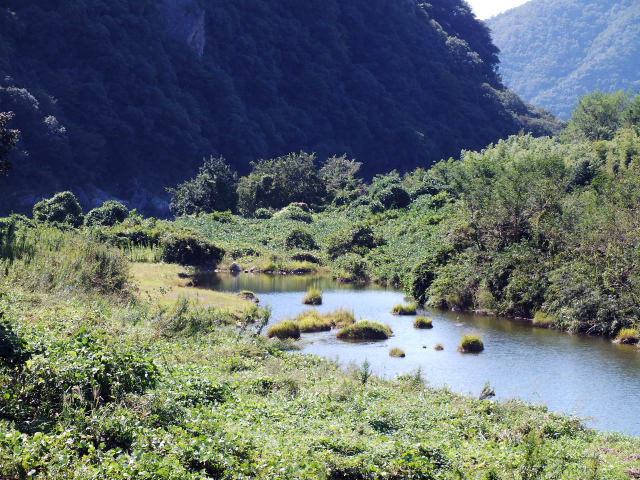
{"type": "Point", "coordinates": [132, 382]}
{"type": "Point", "coordinates": [224, 405]}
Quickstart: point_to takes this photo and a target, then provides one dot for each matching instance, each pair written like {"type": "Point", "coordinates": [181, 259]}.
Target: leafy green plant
{"type": "Point", "coordinates": [188, 248]}
{"type": "Point", "coordinates": [61, 209]}
{"type": "Point", "coordinates": [109, 214]}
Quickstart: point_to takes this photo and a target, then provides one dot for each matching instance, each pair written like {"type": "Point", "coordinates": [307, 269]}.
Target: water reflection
{"type": "Point", "coordinates": [589, 377]}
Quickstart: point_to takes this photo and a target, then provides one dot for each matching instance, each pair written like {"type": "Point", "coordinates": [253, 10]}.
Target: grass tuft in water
{"type": "Point", "coordinates": [404, 309]}
{"type": "Point", "coordinates": [397, 352]}
{"type": "Point", "coordinates": [423, 322]}
{"type": "Point", "coordinates": [628, 336]}
{"type": "Point", "coordinates": [285, 329]}
{"type": "Point", "coordinates": [365, 330]}
{"type": "Point", "coordinates": [313, 297]}
{"type": "Point", "coordinates": [471, 344]}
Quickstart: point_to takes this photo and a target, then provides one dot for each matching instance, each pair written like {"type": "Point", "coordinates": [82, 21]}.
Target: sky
{"type": "Point", "coordinates": [488, 8]}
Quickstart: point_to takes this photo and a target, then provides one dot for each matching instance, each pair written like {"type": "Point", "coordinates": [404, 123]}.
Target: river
{"type": "Point", "coordinates": [577, 375]}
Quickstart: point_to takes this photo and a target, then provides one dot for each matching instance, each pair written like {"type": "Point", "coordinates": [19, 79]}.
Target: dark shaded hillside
{"type": "Point", "coordinates": [553, 51]}
{"type": "Point", "coordinates": [119, 99]}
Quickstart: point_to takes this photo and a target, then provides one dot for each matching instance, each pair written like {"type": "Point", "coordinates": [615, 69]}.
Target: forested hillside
{"type": "Point", "coordinates": [120, 99]}
{"type": "Point", "coordinates": [553, 51]}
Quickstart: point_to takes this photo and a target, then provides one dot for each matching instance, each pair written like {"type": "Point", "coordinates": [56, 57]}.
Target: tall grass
{"type": "Point", "coordinates": [48, 259]}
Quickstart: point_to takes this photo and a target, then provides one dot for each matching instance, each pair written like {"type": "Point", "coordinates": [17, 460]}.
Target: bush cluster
{"type": "Point", "coordinates": [186, 248]}
{"type": "Point", "coordinates": [62, 209]}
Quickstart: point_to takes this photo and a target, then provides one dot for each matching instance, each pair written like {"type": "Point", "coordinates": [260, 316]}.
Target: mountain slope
{"type": "Point", "coordinates": [553, 51]}
{"type": "Point", "coordinates": [120, 99]}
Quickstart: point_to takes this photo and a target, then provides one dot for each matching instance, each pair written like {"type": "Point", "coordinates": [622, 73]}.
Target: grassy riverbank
{"type": "Point", "coordinates": [130, 382]}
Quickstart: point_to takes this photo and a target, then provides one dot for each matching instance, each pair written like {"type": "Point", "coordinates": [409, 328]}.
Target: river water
{"type": "Point", "coordinates": [584, 376]}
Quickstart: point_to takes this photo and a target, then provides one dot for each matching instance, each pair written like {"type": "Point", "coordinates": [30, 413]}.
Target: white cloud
{"type": "Point", "coordinates": [488, 8]}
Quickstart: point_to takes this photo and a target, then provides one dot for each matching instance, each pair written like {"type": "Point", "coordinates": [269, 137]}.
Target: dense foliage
{"type": "Point", "coordinates": [8, 140]}
{"type": "Point", "coordinates": [120, 99]}
{"type": "Point", "coordinates": [553, 51]}
{"type": "Point", "coordinates": [544, 227]}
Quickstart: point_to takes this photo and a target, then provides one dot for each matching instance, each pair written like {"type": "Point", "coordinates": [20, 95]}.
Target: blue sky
{"type": "Point", "coordinates": [488, 8]}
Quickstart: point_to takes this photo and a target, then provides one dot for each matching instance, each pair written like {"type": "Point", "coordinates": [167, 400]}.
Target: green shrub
{"type": "Point", "coordinates": [439, 347]}
{"type": "Point", "coordinates": [188, 248]}
{"type": "Point", "coordinates": [365, 330]}
{"type": "Point", "coordinates": [397, 352]}
{"type": "Point", "coordinates": [628, 336]}
{"type": "Point", "coordinates": [313, 297]}
{"type": "Point", "coordinates": [249, 295]}
{"type": "Point", "coordinates": [542, 320]}
{"type": "Point", "coordinates": [187, 317]}
{"type": "Point", "coordinates": [298, 238]}
{"type": "Point", "coordinates": [109, 214]}
{"type": "Point", "coordinates": [306, 257]}
{"type": "Point", "coordinates": [293, 212]}
{"type": "Point", "coordinates": [312, 321]}
{"type": "Point", "coordinates": [62, 209]}
{"type": "Point", "coordinates": [341, 318]}
{"type": "Point", "coordinates": [352, 268]}
{"type": "Point", "coordinates": [423, 322]}
{"type": "Point", "coordinates": [83, 371]}
{"type": "Point", "coordinates": [357, 239]}
{"type": "Point", "coordinates": [283, 330]}
{"type": "Point", "coordinates": [13, 349]}
{"type": "Point", "coordinates": [471, 344]}
{"type": "Point", "coordinates": [422, 278]}
{"type": "Point", "coordinates": [404, 309]}
{"type": "Point", "coordinates": [212, 190]}
{"type": "Point", "coordinates": [263, 213]}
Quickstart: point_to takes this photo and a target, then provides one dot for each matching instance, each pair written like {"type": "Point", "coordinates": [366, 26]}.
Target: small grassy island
{"type": "Point", "coordinates": [471, 344]}
{"type": "Point", "coordinates": [423, 323]}
{"type": "Point", "coordinates": [400, 309]}
{"type": "Point", "coordinates": [312, 297]}
{"type": "Point", "coordinates": [397, 353]}
{"type": "Point", "coordinates": [365, 330]}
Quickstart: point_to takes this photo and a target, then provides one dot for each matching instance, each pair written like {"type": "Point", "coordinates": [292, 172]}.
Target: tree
{"type": "Point", "coordinates": [339, 177]}
{"type": "Point", "coordinates": [213, 189]}
{"type": "Point", "coordinates": [8, 140]}
{"type": "Point", "coordinates": [62, 209]}
{"type": "Point", "coordinates": [277, 182]}
{"type": "Point", "coordinates": [597, 115]}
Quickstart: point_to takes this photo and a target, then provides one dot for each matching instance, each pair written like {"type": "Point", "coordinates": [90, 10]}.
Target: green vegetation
{"type": "Point", "coordinates": [397, 353]}
{"type": "Point", "coordinates": [213, 189]}
{"type": "Point", "coordinates": [401, 309]}
{"type": "Point", "coordinates": [542, 320]}
{"type": "Point", "coordinates": [187, 248]}
{"type": "Point", "coordinates": [628, 336]}
{"type": "Point", "coordinates": [170, 90]}
{"type": "Point", "coordinates": [108, 215]}
{"type": "Point", "coordinates": [526, 225]}
{"type": "Point", "coordinates": [283, 330]}
{"type": "Point", "coordinates": [470, 344]}
{"type": "Point", "coordinates": [111, 369]}
{"type": "Point", "coordinates": [552, 51]}
{"type": "Point", "coordinates": [341, 318]}
{"type": "Point", "coordinates": [439, 347]}
{"type": "Point", "coordinates": [312, 297]}
{"type": "Point", "coordinates": [63, 209]}
{"type": "Point", "coordinates": [423, 322]}
{"type": "Point", "coordinates": [365, 330]}
{"type": "Point", "coordinates": [8, 139]}
{"type": "Point", "coordinates": [313, 321]}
